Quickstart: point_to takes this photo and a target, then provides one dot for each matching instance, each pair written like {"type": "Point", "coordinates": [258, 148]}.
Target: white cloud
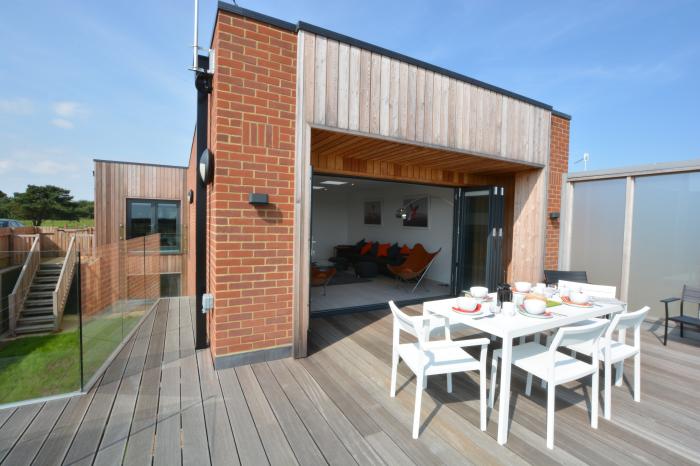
{"type": "Point", "coordinates": [5, 166]}
{"type": "Point", "coordinates": [17, 106]}
{"type": "Point", "coordinates": [62, 123]}
{"type": "Point", "coordinates": [68, 109]}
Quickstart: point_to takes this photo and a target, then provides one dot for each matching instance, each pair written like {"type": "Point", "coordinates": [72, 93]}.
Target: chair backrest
{"type": "Point", "coordinates": [691, 294]}
{"type": "Point", "coordinates": [402, 321]}
{"type": "Point", "coordinates": [553, 276]}
{"type": "Point", "coordinates": [597, 291]}
{"type": "Point", "coordinates": [627, 320]}
{"type": "Point", "coordinates": [567, 336]}
{"type": "Point", "coordinates": [419, 258]}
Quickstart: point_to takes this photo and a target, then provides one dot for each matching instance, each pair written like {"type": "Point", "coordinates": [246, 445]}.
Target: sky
{"type": "Point", "coordinates": [81, 80]}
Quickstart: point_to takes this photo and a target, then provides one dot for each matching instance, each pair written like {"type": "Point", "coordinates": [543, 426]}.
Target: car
{"type": "Point", "coordinates": [9, 223]}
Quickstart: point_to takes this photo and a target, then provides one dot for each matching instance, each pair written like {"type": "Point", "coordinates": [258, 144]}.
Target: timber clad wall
{"type": "Point", "coordinates": [250, 261]}
{"type": "Point", "coordinates": [558, 166]}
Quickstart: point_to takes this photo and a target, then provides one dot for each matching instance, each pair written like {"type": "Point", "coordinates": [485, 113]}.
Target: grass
{"type": "Point", "coordinates": [33, 367]}
{"type": "Point", "coordinates": [82, 223]}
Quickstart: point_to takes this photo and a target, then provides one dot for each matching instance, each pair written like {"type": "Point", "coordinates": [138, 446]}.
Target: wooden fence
{"type": "Point", "coordinates": [54, 241]}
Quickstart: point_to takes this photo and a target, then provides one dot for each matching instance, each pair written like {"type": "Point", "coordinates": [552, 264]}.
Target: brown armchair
{"type": "Point", "coordinates": [415, 266]}
{"type": "Point", "coordinates": [321, 276]}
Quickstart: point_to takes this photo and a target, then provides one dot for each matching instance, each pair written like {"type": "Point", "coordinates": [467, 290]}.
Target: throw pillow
{"type": "Point", "coordinates": [394, 251]}
{"type": "Point", "coordinates": [365, 248]}
{"type": "Point", "coordinates": [373, 251]}
{"type": "Point", "coordinates": [405, 250]}
{"type": "Point", "coordinates": [383, 250]}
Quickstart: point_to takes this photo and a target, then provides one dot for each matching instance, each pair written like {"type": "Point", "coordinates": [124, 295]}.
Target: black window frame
{"type": "Point", "coordinates": [154, 221]}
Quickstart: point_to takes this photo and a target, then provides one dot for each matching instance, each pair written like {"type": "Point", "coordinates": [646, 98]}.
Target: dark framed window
{"type": "Point", "coordinates": [146, 217]}
{"type": "Point", "coordinates": [169, 285]}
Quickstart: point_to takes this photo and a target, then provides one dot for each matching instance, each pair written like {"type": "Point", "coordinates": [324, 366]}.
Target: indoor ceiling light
{"type": "Point", "coordinates": [318, 187]}
{"type": "Point", "coordinates": [334, 182]}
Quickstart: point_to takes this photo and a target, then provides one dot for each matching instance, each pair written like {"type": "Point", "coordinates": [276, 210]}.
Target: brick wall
{"type": "Point", "coordinates": [558, 166]}
{"type": "Point", "coordinates": [252, 122]}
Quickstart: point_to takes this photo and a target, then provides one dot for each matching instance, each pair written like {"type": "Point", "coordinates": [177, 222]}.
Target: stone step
{"type": "Point", "coordinates": [33, 320]}
{"type": "Point", "coordinates": [31, 302]}
{"type": "Point", "coordinates": [34, 295]}
{"type": "Point", "coordinates": [36, 328]}
{"type": "Point", "coordinates": [39, 287]}
{"type": "Point", "coordinates": [33, 311]}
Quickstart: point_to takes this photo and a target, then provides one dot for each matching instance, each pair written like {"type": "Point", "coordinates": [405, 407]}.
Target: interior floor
{"type": "Point", "coordinates": [379, 289]}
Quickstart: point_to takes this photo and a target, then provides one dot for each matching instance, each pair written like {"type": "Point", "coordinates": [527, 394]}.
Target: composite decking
{"type": "Point", "coordinates": [161, 402]}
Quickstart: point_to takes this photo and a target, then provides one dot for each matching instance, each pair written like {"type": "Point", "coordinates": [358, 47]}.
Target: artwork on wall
{"type": "Point", "coordinates": [373, 213]}
{"type": "Point", "coordinates": [416, 212]}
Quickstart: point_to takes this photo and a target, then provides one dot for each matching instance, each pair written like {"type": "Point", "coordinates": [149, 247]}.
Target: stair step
{"type": "Point", "coordinates": [31, 320]}
{"type": "Point", "coordinates": [33, 311]}
{"type": "Point", "coordinates": [38, 302]}
{"type": "Point", "coordinates": [40, 294]}
{"type": "Point", "coordinates": [45, 279]}
{"type": "Point", "coordinates": [38, 287]}
{"type": "Point", "coordinates": [36, 328]}
{"type": "Point", "coordinates": [50, 272]}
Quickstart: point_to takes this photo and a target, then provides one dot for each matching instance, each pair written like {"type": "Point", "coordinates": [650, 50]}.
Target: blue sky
{"type": "Point", "coordinates": [84, 79]}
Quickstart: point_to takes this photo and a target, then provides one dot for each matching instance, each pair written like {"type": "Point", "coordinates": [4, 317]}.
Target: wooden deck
{"type": "Point", "coordinates": [161, 402]}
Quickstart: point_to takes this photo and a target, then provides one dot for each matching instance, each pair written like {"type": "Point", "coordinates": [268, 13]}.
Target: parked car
{"type": "Point", "coordinates": [7, 222]}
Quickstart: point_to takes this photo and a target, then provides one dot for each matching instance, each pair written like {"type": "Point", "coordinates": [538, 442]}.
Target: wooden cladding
{"type": "Point", "coordinates": [116, 182]}
{"type": "Point", "coordinates": [348, 88]}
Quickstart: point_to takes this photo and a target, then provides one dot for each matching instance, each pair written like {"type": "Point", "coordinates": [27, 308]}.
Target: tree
{"type": "Point", "coordinates": [5, 204]}
{"type": "Point", "coordinates": [85, 209]}
{"type": "Point", "coordinates": [39, 203]}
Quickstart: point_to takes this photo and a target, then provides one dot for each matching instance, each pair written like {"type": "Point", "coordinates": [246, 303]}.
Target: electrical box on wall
{"type": "Point", "coordinates": [207, 302]}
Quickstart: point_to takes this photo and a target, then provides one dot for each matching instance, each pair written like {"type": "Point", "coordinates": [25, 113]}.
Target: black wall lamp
{"type": "Point", "coordinates": [206, 166]}
{"type": "Point", "coordinates": [190, 196]}
{"type": "Point", "coordinates": [554, 215]}
{"type": "Point", "coordinates": [258, 199]}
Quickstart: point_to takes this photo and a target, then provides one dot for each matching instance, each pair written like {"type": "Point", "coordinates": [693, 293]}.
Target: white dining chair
{"type": "Point", "coordinates": [615, 352]}
{"type": "Point", "coordinates": [596, 291]}
{"type": "Point", "coordinates": [555, 367]}
{"type": "Point", "coordinates": [426, 358]}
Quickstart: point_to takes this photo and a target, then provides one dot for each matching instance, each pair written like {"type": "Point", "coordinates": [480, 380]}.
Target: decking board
{"type": "Point", "coordinates": [160, 401]}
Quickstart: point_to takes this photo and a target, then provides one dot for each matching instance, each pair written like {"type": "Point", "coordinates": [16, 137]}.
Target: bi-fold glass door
{"type": "Point", "coordinates": [479, 238]}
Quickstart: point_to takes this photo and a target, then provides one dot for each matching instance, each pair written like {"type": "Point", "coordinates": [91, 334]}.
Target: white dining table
{"type": "Point", "coordinates": [509, 328]}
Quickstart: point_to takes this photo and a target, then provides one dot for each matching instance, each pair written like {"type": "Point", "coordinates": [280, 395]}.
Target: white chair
{"type": "Point", "coordinates": [556, 367]}
{"type": "Point", "coordinates": [615, 352]}
{"type": "Point", "coordinates": [596, 291]}
{"type": "Point", "coordinates": [427, 358]}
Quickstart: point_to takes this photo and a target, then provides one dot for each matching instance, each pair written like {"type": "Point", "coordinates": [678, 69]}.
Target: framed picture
{"type": "Point", "coordinates": [416, 212]}
{"type": "Point", "coordinates": [373, 213]}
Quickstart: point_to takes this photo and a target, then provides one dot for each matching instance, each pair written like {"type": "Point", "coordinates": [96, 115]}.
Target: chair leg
{"type": "Point", "coordinates": [416, 410]}
{"type": "Point", "coordinates": [682, 329]}
{"type": "Point", "coordinates": [550, 415]}
{"type": "Point", "coordinates": [665, 332]}
{"type": "Point", "coordinates": [637, 377]}
{"type": "Point", "coordinates": [619, 373]}
{"type": "Point", "coordinates": [607, 389]}
{"type": "Point", "coordinates": [425, 382]}
{"type": "Point", "coordinates": [528, 386]}
{"type": "Point", "coordinates": [482, 395]}
{"type": "Point", "coordinates": [595, 393]}
{"type": "Point", "coordinates": [394, 369]}
{"type": "Point", "coordinates": [449, 383]}
{"type": "Point", "coordinates": [494, 372]}
{"type": "Point", "coordinates": [543, 383]}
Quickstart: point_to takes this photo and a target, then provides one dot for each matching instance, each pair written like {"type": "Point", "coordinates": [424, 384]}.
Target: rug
{"type": "Point", "coordinates": [347, 278]}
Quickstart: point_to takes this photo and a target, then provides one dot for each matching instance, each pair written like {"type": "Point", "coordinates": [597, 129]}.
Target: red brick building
{"type": "Point", "coordinates": [292, 102]}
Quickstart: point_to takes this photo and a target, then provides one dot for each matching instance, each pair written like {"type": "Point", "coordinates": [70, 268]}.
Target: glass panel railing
{"type": "Point", "coordinates": [39, 346]}
{"type": "Point", "coordinates": [65, 310]}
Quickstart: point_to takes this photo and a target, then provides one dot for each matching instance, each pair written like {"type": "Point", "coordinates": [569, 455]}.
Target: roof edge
{"type": "Point", "coordinates": [636, 170]}
{"type": "Point", "coordinates": [303, 26]}
{"type": "Point", "coordinates": [125, 162]}
{"type": "Point", "coordinates": [563, 115]}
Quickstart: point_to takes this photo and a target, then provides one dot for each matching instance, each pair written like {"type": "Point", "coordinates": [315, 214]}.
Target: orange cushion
{"type": "Point", "coordinates": [365, 248]}
{"type": "Point", "coordinates": [383, 250]}
{"type": "Point", "coordinates": [405, 250]}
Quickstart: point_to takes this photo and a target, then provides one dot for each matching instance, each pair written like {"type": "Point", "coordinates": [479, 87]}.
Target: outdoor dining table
{"type": "Point", "coordinates": [509, 328]}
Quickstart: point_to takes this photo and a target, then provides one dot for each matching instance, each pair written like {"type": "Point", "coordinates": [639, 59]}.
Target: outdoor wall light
{"type": "Point", "coordinates": [258, 199]}
{"type": "Point", "coordinates": [206, 166]}
{"type": "Point", "coordinates": [554, 215]}
{"type": "Point", "coordinates": [190, 196]}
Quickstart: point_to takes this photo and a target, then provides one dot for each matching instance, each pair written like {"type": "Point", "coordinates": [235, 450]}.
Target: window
{"type": "Point", "coordinates": [169, 285]}
{"type": "Point", "coordinates": [146, 217]}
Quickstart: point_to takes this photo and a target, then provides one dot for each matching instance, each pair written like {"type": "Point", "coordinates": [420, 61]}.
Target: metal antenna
{"type": "Point", "coordinates": [586, 157]}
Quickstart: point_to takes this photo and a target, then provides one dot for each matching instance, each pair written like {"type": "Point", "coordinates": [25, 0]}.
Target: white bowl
{"type": "Point", "coordinates": [478, 291]}
{"type": "Point", "coordinates": [577, 297]}
{"type": "Point", "coordinates": [535, 306]}
{"type": "Point", "coordinates": [466, 304]}
{"type": "Point", "coordinates": [522, 287]}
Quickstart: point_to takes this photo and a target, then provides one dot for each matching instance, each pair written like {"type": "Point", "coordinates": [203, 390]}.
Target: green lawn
{"type": "Point", "coordinates": [82, 223]}
{"type": "Point", "coordinates": [46, 365]}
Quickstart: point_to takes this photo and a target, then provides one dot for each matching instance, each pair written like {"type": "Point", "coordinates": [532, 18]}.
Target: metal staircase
{"type": "Point", "coordinates": [37, 314]}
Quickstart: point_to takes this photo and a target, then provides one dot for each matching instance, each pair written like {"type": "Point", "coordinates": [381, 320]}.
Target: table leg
{"type": "Point", "coordinates": [504, 399]}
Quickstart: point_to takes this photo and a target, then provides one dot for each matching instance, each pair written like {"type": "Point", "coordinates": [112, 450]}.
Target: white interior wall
{"type": "Point", "coordinates": [329, 229]}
